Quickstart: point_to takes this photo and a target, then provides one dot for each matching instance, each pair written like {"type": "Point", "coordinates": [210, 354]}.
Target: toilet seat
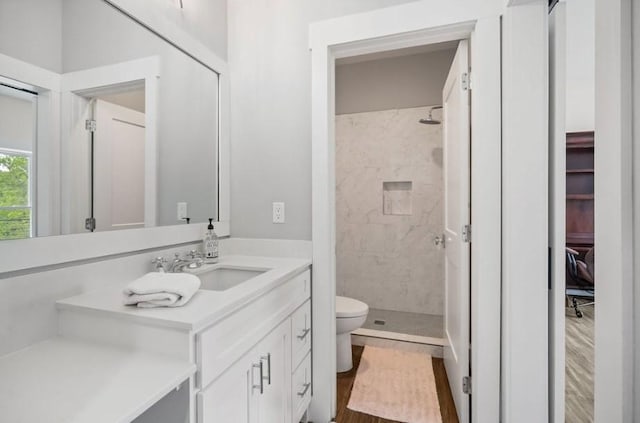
{"type": "Point", "coordinates": [349, 307]}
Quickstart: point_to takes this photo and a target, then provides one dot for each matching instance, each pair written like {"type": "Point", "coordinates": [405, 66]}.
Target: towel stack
{"type": "Point", "coordinates": [159, 289]}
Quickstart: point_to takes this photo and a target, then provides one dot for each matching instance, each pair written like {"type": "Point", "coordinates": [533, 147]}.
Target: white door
{"type": "Point", "coordinates": [118, 167]}
{"type": "Point", "coordinates": [457, 215]}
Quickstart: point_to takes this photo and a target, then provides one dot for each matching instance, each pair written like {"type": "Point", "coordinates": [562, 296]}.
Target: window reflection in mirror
{"type": "Point", "coordinates": [156, 117]}
{"type": "Point", "coordinates": [17, 133]}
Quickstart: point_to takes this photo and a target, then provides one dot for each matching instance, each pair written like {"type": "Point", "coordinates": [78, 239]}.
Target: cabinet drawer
{"type": "Point", "coordinates": [301, 388]}
{"type": "Point", "coordinates": [220, 345]}
{"type": "Point", "coordinates": [301, 333]}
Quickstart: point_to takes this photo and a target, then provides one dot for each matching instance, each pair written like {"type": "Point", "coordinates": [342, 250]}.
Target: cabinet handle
{"type": "Point", "coordinates": [261, 386]}
{"type": "Point", "coordinates": [304, 391]}
{"type": "Point", "coordinates": [304, 334]}
{"type": "Point", "coordinates": [268, 358]}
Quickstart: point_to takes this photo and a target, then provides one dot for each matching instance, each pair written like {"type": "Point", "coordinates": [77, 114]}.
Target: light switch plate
{"type": "Point", "coordinates": [182, 211]}
{"type": "Point", "coordinates": [278, 212]}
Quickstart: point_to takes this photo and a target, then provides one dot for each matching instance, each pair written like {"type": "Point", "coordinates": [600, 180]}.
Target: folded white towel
{"type": "Point", "coordinates": [160, 289]}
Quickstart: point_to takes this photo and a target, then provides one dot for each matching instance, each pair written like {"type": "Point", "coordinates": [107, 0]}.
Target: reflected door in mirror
{"type": "Point", "coordinates": [119, 167]}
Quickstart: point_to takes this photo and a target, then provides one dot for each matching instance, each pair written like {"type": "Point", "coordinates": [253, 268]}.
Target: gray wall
{"type": "Point", "coordinates": [393, 83]}
{"type": "Point", "coordinates": [205, 20]}
{"type": "Point", "coordinates": [20, 20]}
{"type": "Point", "coordinates": [270, 68]}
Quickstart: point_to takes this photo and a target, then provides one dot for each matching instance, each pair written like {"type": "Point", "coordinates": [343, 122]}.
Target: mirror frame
{"type": "Point", "coordinates": [22, 254]}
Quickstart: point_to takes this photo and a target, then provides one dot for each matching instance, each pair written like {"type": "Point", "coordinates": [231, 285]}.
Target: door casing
{"type": "Point", "coordinates": [388, 29]}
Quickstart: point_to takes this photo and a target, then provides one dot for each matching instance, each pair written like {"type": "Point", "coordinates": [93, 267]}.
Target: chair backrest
{"type": "Point", "coordinates": [572, 267]}
{"type": "Point", "coordinates": [589, 259]}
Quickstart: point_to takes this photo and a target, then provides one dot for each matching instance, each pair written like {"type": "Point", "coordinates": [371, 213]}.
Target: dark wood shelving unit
{"type": "Point", "coordinates": [580, 193]}
{"type": "Point", "coordinates": [579, 196]}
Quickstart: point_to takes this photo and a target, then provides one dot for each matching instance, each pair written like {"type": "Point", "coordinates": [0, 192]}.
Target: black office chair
{"type": "Point", "coordinates": [580, 278]}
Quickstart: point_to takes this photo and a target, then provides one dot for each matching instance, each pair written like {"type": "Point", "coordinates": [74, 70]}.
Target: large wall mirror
{"type": "Point", "coordinates": [104, 124]}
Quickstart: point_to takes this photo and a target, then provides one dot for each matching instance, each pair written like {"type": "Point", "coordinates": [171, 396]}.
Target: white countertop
{"type": "Point", "coordinates": [65, 381]}
{"type": "Point", "coordinates": [206, 307]}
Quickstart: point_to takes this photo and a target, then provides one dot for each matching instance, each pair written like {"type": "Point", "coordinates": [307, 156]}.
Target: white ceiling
{"type": "Point", "coordinates": [130, 99]}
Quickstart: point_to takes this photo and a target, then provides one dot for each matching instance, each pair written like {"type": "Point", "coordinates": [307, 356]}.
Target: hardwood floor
{"type": "Point", "coordinates": [345, 384]}
{"type": "Point", "coordinates": [579, 366]}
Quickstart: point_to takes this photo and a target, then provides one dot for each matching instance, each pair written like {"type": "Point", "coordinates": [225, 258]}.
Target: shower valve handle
{"type": "Point", "coordinates": [438, 241]}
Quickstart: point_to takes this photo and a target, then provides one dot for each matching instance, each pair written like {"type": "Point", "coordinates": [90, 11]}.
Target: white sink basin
{"type": "Point", "coordinates": [221, 278]}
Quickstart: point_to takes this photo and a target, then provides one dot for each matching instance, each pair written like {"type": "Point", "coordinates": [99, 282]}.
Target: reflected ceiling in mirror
{"type": "Point", "coordinates": [123, 132]}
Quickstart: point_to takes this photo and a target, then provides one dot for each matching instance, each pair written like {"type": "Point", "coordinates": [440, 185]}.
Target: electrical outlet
{"type": "Point", "coordinates": [182, 211]}
{"type": "Point", "coordinates": [278, 212]}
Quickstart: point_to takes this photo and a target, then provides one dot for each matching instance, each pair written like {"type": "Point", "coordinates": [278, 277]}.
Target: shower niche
{"type": "Point", "coordinates": [396, 198]}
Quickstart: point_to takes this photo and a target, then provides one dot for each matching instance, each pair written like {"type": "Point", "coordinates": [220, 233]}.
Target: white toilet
{"type": "Point", "coordinates": [350, 315]}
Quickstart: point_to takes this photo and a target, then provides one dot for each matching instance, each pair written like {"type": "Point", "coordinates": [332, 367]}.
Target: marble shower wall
{"type": "Point", "coordinates": [389, 261]}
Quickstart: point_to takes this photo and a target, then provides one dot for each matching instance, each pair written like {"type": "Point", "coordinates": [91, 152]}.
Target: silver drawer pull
{"type": "Point", "coordinates": [304, 334]}
{"type": "Point", "coordinates": [268, 358]}
{"type": "Point", "coordinates": [261, 386]}
{"type": "Point", "coordinates": [304, 391]}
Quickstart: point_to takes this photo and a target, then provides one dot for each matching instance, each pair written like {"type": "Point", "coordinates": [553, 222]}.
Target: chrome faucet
{"type": "Point", "coordinates": [192, 261]}
{"type": "Point", "coordinates": [159, 264]}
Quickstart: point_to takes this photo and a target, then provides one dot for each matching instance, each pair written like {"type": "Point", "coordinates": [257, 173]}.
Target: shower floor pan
{"type": "Point", "coordinates": [403, 326]}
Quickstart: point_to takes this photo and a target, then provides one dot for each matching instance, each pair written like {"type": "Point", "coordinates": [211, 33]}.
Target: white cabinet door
{"type": "Point", "coordinates": [232, 397]}
{"type": "Point", "coordinates": [275, 353]}
{"type": "Point", "coordinates": [257, 388]}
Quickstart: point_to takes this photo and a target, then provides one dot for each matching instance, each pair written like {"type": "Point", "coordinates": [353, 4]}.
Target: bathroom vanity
{"type": "Point", "coordinates": [239, 351]}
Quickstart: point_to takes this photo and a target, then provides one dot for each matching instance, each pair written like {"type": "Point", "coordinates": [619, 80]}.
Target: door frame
{"type": "Point", "coordinates": [617, 227]}
{"type": "Point", "coordinates": [386, 29]}
{"type": "Point", "coordinates": [557, 211]}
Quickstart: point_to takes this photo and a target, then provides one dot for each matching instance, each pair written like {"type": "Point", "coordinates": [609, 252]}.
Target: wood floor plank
{"type": "Point", "coordinates": [579, 366]}
{"type": "Point", "coordinates": [345, 385]}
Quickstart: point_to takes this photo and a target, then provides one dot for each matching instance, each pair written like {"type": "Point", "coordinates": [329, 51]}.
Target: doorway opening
{"type": "Point", "coordinates": [402, 186]}
{"type": "Point", "coordinates": [331, 40]}
{"type": "Point", "coordinates": [580, 278]}
{"type": "Point", "coordinates": [109, 145]}
{"type": "Point", "coordinates": [571, 215]}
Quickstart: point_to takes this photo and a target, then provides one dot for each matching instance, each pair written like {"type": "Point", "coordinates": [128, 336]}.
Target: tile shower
{"type": "Point", "coordinates": [389, 207]}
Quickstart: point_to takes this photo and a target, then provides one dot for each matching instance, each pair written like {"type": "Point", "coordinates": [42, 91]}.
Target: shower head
{"type": "Point", "coordinates": [430, 120]}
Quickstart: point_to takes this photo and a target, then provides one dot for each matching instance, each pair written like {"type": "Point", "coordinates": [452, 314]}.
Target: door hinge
{"type": "Point", "coordinates": [465, 81]}
{"type": "Point", "coordinates": [90, 224]}
{"type": "Point", "coordinates": [466, 385]}
{"type": "Point", "coordinates": [466, 233]}
{"type": "Point", "coordinates": [90, 125]}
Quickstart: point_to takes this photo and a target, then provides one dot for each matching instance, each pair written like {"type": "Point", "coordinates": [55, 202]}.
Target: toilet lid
{"type": "Point", "coordinates": [349, 307]}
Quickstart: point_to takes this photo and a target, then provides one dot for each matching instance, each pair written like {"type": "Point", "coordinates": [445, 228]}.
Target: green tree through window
{"type": "Point", "coordinates": [15, 209]}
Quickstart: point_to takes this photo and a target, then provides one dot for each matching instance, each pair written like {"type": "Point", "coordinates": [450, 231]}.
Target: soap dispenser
{"type": "Point", "coordinates": [210, 244]}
